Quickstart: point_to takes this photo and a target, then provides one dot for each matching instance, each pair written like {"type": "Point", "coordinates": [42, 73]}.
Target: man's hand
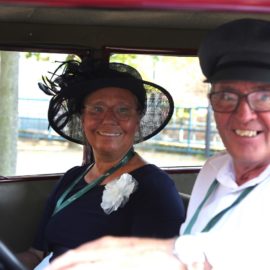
{"type": "Point", "coordinates": [126, 253]}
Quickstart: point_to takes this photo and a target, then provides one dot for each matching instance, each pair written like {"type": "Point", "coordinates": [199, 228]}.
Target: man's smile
{"type": "Point", "coordinates": [246, 133]}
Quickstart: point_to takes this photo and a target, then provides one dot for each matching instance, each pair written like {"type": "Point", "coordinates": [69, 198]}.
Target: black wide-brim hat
{"type": "Point", "coordinates": [237, 50]}
{"type": "Point", "coordinates": [79, 79]}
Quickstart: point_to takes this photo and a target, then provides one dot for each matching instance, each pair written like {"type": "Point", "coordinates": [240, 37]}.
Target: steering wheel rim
{"type": "Point", "coordinates": [9, 260]}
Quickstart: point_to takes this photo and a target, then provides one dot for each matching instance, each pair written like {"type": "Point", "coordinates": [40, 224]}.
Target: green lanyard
{"type": "Point", "coordinates": [218, 216]}
{"type": "Point", "coordinates": [63, 202]}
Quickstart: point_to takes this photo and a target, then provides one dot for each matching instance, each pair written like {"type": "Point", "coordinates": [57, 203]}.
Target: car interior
{"type": "Point", "coordinates": [100, 29]}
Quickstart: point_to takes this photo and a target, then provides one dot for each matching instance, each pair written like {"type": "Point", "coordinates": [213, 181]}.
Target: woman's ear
{"type": "Point", "coordinates": [82, 120]}
{"type": "Point", "coordinates": [138, 125]}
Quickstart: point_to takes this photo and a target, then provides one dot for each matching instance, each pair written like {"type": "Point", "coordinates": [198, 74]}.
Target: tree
{"type": "Point", "coordinates": [9, 69]}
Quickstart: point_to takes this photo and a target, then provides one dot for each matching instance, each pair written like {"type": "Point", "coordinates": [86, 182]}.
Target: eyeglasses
{"type": "Point", "coordinates": [121, 112]}
{"type": "Point", "coordinates": [228, 101]}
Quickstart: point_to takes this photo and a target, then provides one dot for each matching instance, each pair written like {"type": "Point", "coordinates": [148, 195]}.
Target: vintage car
{"type": "Point", "coordinates": [160, 38]}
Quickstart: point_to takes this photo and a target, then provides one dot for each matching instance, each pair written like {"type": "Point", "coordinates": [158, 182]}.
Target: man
{"type": "Point", "coordinates": [228, 217]}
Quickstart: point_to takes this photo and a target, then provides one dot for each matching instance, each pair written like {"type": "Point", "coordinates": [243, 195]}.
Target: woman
{"type": "Point", "coordinates": [109, 108]}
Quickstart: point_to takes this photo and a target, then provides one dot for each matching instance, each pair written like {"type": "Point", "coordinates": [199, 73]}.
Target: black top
{"type": "Point", "coordinates": [155, 209]}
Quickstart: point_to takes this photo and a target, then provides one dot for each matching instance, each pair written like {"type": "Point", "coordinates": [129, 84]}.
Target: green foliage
{"type": "Point", "coordinates": [38, 56]}
{"type": "Point", "coordinates": [129, 59]}
{"type": "Point", "coordinates": [46, 57]}
{"type": "Point", "coordinates": [134, 60]}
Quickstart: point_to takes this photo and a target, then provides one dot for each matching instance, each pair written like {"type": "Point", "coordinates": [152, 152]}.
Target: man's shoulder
{"type": "Point", "coordinates": [218, 159]}
{"type": "Point", "coordinates": [212, 167]}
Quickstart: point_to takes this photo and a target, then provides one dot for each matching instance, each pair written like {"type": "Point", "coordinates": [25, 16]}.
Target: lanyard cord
{"type": "Point", "coordinates": [218, 216]}
{"type": "Point", "coordinates": [63, 202]}
{"type": "Point", "coordinates": [196, 214]}
{"type": "Point", "coordinates": [213, 221]}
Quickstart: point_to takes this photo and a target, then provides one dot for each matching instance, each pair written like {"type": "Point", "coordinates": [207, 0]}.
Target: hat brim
{"type": "Point", "coordinates": [80, 79]}
{"type": "Point", "coordinates": [241, 73]}
{"type": "Point", "coordinates": [159, 110]}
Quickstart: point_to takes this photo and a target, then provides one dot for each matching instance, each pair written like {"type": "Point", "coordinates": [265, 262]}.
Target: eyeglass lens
{"type": "Point", "coordinates": [225, 101]}
{"type": "Point", "coordinates": [121, 112]}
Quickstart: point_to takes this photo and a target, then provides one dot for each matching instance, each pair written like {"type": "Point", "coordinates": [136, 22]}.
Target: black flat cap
{"type": "Point", "coordinates": [238, 50]}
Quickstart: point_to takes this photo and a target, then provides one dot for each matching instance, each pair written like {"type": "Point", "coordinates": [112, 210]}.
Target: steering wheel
{"type": "Point", "coordinates": [8, 260]}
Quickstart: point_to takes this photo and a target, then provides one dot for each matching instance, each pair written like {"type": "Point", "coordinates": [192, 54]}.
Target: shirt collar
{"type": "Point", "coordinates": [226, 176]}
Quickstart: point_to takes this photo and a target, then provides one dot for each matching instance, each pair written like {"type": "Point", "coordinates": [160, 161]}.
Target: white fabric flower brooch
{"type": "Point", "coordinates": [117, 192]}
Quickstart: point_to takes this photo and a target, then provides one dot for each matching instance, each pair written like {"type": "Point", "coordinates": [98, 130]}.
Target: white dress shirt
{"type": "Point", "coordinates": [241, 238]}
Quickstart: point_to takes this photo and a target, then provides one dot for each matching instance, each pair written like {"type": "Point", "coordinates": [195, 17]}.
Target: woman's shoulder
{"type": "Point", "coordinates": [155, 184]}
{"type": "Point", "coordinates": [76, 169]}
{"type": "Point", "coordinates": [151, 174]}
{"type": "Point", "coordinates": [65, 181]}
{"type": "Point", "coordinates": [71, 173]}
{"type": "Point", "coordinates": [149, 169]}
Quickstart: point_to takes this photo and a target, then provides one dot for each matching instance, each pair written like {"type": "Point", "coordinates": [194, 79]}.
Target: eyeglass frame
{"type": "Point", "coordinates": [240, 96]}
{"type": "Point", "coordinates": [110, 109]}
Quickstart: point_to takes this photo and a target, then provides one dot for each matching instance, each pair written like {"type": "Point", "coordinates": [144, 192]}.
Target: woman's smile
{"type": "Point", "coordinates": [109, 134]}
